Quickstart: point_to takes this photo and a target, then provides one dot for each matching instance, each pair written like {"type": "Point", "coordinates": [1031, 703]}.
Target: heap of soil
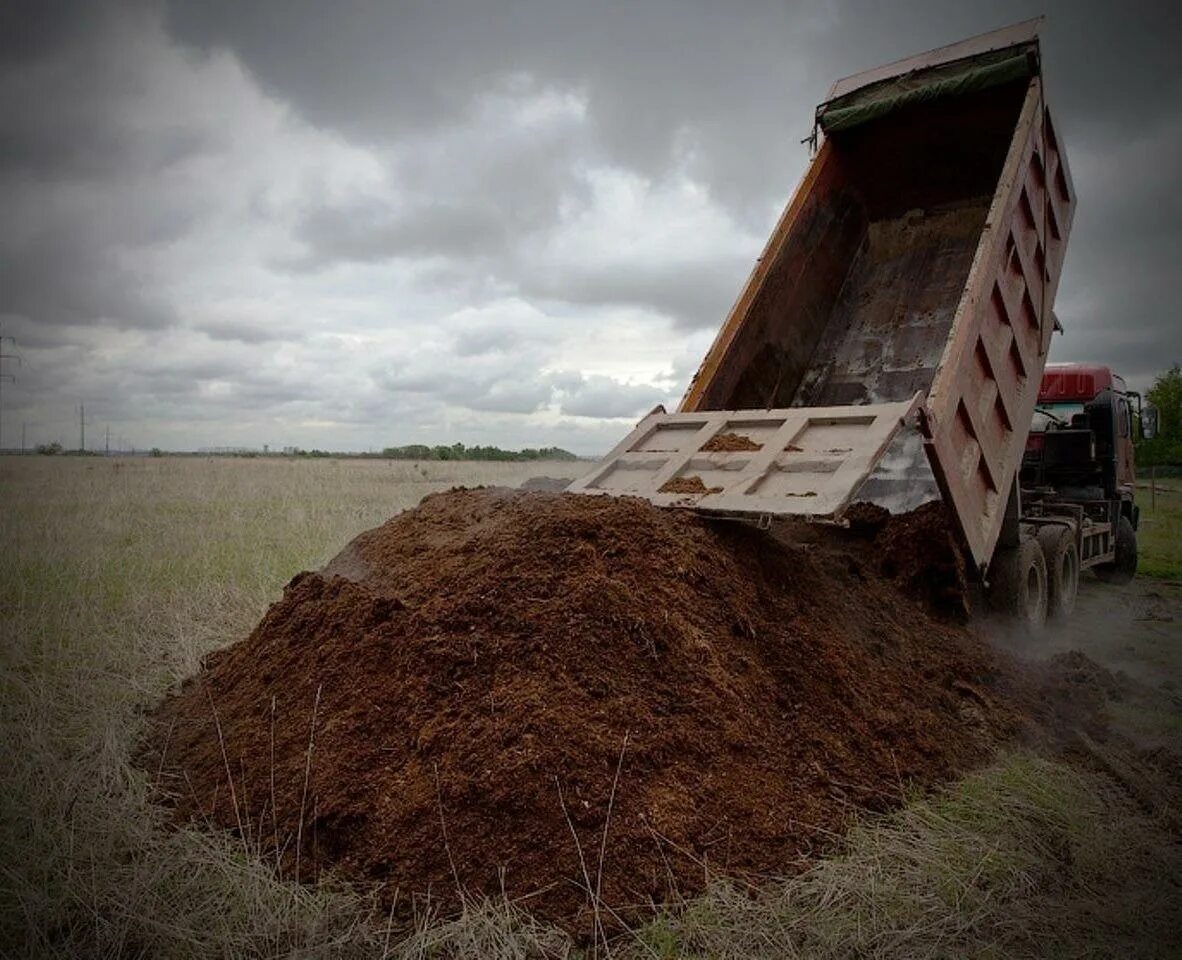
{"type": "Point", "coordinates": [729, 443]}
{"type": "Point", "coordinates": [693, 484]}
{"type": "Point", "coordinates": [552, 695]}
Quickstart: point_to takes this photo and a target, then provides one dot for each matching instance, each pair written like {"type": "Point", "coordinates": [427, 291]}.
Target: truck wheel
{"type": "Point", "coordinates": [1062, 558]}
{"type": "Point", "coordinates": [1122, 569]}
{"type": "Point", "coordinates": [1018, 584]}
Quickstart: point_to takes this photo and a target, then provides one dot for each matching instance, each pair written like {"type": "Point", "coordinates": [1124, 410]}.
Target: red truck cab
{"type": "Point", "coordinates": [1065, 392]}
{"type": "Point", "coordinates": [1080, 452]}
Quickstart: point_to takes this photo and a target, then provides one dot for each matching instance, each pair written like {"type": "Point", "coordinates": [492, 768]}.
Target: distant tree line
{"type": "Point", "coordinates": [414, 451]}
{"type": "Point", "coordinates": [55, 448]}
{"type": "Point", "coordinates": [457, 451]}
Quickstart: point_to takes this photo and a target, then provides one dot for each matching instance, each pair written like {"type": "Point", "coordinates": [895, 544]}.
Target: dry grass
{"type": "Point", "coordinates": [1026, 859]}
{"type": "Point", "coordinates": [115, 578]}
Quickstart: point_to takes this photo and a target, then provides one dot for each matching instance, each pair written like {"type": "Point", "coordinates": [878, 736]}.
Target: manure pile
{"type": "Point", "coordinates": [557, 696]}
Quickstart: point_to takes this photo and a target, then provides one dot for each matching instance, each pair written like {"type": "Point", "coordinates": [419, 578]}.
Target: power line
{"type": "Point", "coordinates": [6, 376]}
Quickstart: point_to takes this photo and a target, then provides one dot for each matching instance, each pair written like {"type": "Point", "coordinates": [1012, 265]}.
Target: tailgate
{"type": "Point", "coordinates": [806, 461]}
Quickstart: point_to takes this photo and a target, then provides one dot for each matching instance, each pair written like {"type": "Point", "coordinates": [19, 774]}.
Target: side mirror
{"type": "Point", "coordinates": [1148, 422]}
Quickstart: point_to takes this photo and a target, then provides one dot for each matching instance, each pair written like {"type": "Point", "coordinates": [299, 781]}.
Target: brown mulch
{"type": "Point", "coordinates": [730, 443]}
{"type": "Point", "coordinates": [693, 484]}
{"type": "Point", "coordinates": [537, 693]}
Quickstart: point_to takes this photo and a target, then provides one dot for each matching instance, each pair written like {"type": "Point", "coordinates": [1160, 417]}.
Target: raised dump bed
{"type": "Point", "coordinates": [919, 255]}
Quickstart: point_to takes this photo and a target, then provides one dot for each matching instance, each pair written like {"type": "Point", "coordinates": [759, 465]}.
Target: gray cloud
{"type": "Point", "coordinates": [1116, 301]}
{"type": "Point", "coordinates": [486, 339]}
{"type": "Point", "coordinates": [437, 201]}
{"type": "Point", "coordinates": [499, 382]}
{"type": "Point", "coordinates": [745, 78]}
{"type": "Point", "coordinates": [58, 277]}
{"type": "Point", "coordinates": [735, 87]}
{"type": "Point", "coordinates": [648, 68]}
{"type": "Point", "coordinates": [280, 218]}
{"type": "Point", "coordinates": [231, 330]}
{"type": "Point", "coordinates": [695, 295]}
{"type": "Point", "coordinates": [500, 390]}
{"type": "Point", "coordinates": [69, 163]}
{"type": "Point", "coordinates": [598, 396]}
{"type": "Point", "coordinates": [366, 233]}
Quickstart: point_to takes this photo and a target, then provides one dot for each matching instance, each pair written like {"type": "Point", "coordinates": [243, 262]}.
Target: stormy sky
{"type": "Point", "coordinates": [359, 224]}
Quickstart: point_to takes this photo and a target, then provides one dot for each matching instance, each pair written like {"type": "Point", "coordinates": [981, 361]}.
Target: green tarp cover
{"type": "Point", "coordinates": [952, 79]}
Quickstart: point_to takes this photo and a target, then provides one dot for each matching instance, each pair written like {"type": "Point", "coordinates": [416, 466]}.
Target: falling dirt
{"type": "Point", "coordinates": [692, 485]}
{"type": "Point", "coordinates": [919, 551]}
{"type": "Point", "coordinates": [547, 694]}
{"type": "Point", "coordinates": [866, 519]}
{"type": "Point", "coordinates": [730, 443]}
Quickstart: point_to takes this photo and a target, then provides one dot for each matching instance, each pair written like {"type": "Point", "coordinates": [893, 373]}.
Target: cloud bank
{"type": "Point", "coordinates": [518, 224]}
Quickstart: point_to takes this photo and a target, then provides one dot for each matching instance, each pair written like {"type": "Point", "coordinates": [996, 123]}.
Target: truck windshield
{"type": "Point", "coordinates": [1059, 414]}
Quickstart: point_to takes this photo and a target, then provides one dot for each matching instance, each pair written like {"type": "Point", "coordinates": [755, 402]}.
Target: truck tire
{"type": "Point", "coordinates": [1062, 559]}
{"type": "Point", "coordinates": [1018, 585]}
{"type": "Point", "coordinates": [1124, 567]}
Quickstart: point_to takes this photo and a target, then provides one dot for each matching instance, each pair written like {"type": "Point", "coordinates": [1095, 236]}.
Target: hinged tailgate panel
{"type": "Point", "coordinates": [805, 460]}
{"type": "Point", "coordinates": [977, 414]}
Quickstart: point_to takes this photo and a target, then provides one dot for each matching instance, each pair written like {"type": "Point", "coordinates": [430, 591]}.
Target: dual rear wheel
{"type": "Point", "coordinates": [1039, 579]}
{"type": "Point", "coordinates": [1018, 584]}
{"type": "Point", "coordinates": [1036, 580]}
{"type": "Point", "coordinates": [1062, 559]}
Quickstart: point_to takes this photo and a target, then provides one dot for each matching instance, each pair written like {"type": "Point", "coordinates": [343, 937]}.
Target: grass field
{"type": "Point", "coordinates": [117, 576]}
{"type": "Point", "coordinates": [1159, 540]}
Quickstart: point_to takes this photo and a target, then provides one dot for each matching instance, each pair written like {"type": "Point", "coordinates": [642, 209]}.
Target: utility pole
{"type": "Point", "coordinates": [82, 427]}
{"type": "Point", "coordinates": [107, 446]}
{"type": "Point", "coordinates": [6, 376]}
{"type": "Point", "coordinates": [23, 425]}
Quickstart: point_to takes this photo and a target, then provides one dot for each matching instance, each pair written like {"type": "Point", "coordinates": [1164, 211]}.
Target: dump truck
{"type": "Point", "coordinates": [890, 344]}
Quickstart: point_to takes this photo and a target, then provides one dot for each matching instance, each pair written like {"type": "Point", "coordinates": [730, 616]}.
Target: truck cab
{"type": "Point", "coordinates": [1080, 451]}
{"type": "Point", "coordinates": [1088, 401]}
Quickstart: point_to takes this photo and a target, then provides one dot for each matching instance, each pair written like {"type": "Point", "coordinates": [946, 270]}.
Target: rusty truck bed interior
{"type": "Point", "coordinates": [867, 284]}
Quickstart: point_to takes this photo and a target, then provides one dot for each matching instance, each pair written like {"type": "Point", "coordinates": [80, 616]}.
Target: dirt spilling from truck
{"type": "Point", "coordinates": [730, 443]}
{"type": "Point", "coordinates": [576, 702]}
{"type": "Point", "coordinates": [691, 484]}
{"type": "Point", "coordinates": [920, 553]}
